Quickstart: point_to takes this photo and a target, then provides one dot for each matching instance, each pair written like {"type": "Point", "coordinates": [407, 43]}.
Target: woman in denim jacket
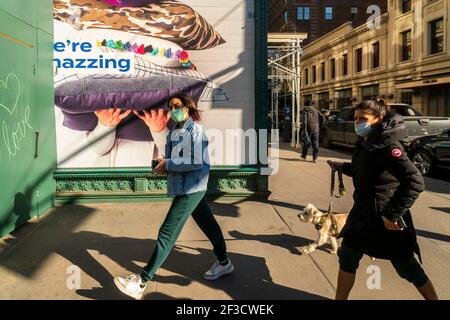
{"type": "Point", "coordinates": [187, 165]}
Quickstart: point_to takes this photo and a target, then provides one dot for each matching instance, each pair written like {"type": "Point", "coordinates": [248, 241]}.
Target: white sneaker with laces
{"type": "Point", "coordinates": [217, 270]}
{"type": "Point", "coordinates": [131, 286]}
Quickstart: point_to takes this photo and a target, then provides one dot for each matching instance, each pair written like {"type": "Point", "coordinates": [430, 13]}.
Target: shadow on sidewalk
{"type": "Point", "coordinates": [26, 250]}
{"type": "Point", "coordinates": [285, 204]}
{"type": "Point", "coordinates": [225, 209]}
{"type": "Point", "coordinates": [443, 209]}
{"type": "Point", "coordinates": [57, 233]}
{"type": "Point", "coordinates": [433, 235]}
{"type": "Point", "coordinates": [251, 280]}
{"type": "Point", "coordinates": [286, 241]}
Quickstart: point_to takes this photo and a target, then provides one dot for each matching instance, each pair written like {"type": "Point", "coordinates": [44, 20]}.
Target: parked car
{"type": "Point", "coordinates": [430, 151]}
{"type": "Point", "coordinates": [329, 113]}
{"type": "Point", "coordinates": [340, 130]}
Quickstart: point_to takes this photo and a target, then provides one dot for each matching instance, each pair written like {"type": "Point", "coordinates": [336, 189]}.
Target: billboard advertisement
{"type": "Point", "coordinates": [113, 59]}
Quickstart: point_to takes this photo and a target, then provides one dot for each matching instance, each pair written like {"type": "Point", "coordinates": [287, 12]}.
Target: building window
{"type": "Point", "coordinates": [344, 98]}
{"type": "Point", "coordinates": [314, 74]}
{"type": "Point", "coordinates": [406, 6]}
{"type": "Point", "coordinates": [328, 13]}
{"type": "Point", "coordinates": [345, 64]}
{"type": "Point", "coordinates": [322, 71]}
{"type": "Point", "coordinates": [303, 13]}
{"type": "Point", "coordinates": [333, 68]}
{"type": "Point", "coordinates": [358, 59]}
{"type": "Point", "coordinates": [306, 75]}
{"type": "Point", "coordinates": [407, 96]}
{"type": "Point", "coordinates": [406, 45]}
{"type": "Point", "coordinates": [370, 92]}
{"type": "Point", "coordinates": [437, 36]}
{"type": "Point", "coordinates": [324, 100]}
{"type": "Point", "coordinates": [375, 55]}
{"type": "Point", "coordinates": [438, 101]}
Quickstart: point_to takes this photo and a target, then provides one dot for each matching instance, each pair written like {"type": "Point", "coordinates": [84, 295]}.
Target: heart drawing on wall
{"type": "Point", "coordinates": [9, 93]}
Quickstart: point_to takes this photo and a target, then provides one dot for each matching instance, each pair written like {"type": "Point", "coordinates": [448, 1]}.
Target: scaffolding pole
{"type": "Point", "coordinates": [299, 108]}
{"type": "Point", "coordinates": [293, 100]}
{"type": "Point", "coordinates": [285, 79]}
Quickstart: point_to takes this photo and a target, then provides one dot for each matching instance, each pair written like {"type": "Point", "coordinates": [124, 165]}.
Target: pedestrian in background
{"type": "Point", "coordinates": [311, 121]}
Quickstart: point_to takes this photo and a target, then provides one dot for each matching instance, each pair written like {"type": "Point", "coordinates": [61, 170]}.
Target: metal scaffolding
{"type": "Point", "coordinates": [284, 75]}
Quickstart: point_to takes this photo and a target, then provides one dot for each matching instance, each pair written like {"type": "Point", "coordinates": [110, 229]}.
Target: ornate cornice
{"type": "Point", "coordinates": [99, 184]}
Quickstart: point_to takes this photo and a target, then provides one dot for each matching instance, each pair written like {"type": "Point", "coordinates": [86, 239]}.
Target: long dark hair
{"type": "Point", "coordinates": [377, 107]}
{"type": "Point", "coordinates": [189, 103]}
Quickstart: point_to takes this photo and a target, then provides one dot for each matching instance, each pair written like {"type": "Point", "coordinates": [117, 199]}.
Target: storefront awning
{"type": "Point", "coordinates": [423, 83]}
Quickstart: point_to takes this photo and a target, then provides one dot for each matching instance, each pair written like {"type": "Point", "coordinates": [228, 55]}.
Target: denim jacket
{"type": "Point", "coordinates": [187, 161]}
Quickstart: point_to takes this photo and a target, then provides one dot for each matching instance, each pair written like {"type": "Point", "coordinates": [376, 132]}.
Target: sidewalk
{"type": "Point", "coordinates": [104, 240]}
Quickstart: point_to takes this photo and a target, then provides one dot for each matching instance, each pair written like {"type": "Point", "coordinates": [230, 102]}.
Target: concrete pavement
{"type": "Point", "coordinates": [430, 214]}
{"type": "Point", "coordinates": [41, 259]}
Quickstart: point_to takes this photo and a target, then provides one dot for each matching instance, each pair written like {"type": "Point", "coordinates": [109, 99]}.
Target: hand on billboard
{"type": "Point", "coordinates": [156, 120]}
{"type": "Point", "coordinates": [111, 117]}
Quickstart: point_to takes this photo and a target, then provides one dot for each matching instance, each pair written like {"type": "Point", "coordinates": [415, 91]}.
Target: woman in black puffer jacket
{"type": "Point", "coordinates": [386, 186]}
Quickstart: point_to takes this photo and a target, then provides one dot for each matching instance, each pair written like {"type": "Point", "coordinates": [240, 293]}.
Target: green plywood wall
{"type": "Point", "coordinates": [27, 126]}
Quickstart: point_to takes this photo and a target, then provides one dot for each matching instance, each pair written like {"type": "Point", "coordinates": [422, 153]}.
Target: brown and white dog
{"type": "Point", "coordinates": [328, 227]}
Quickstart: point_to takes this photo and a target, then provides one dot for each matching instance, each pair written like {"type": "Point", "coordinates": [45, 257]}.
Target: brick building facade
{"type": "Point", "coordinates": [318, 17]}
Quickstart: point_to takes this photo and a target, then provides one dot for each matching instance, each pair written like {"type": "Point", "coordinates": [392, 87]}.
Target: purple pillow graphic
{"type": "Point", "coordinates": [80, 98]}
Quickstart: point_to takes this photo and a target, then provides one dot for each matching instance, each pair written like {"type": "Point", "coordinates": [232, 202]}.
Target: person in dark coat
{"type": "Point", "coordinates": [311, 120]}
{"type": "Point", "coordinates": [386, 186]}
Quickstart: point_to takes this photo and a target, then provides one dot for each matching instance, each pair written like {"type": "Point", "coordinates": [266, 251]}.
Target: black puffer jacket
{"type": "Point", "coordinates": [386, 184]}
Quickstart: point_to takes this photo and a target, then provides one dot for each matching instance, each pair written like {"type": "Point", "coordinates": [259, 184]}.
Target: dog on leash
{"type": "Point", "coordinates": [328, 226]}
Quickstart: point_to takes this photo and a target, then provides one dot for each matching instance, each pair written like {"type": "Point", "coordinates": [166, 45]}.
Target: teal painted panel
{"type": "Point", "coordinates": [45, 15]}
{"type": "Point", "coordinates": [24, 10]}
{"type": "Point", "coordinates": [20, 33]}
{"type": "Point", "coordinates": [42, 176]}
{"type": "Point", "coordinates": [17, 127]}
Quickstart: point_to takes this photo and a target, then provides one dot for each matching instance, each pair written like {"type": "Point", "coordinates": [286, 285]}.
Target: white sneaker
{"type": "Point", "coordinates": [131, 286]}
{"type": "Point", "coordinates": [218, 270]}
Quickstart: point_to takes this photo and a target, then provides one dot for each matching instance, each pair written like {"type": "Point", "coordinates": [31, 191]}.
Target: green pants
{"type": "Point", "coordinates": [182, 207]}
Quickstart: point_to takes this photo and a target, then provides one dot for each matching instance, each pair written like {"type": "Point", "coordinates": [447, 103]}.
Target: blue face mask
{"type": "Point", "coordinates": [178, 115]}
{"type": "Point", "coordinates": [362, 129]}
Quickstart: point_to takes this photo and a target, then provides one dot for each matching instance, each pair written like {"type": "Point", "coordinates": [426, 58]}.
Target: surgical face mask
{"type": "Point", "coordinates": [362, 129]}
{"type": "Point", "coordinates": [178, 115]}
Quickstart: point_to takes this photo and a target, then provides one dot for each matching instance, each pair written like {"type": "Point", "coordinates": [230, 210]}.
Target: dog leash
{"type": "Point", "coordinates": [342, 190]}
{"type": "Point", "coordinates": [333, 195]}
